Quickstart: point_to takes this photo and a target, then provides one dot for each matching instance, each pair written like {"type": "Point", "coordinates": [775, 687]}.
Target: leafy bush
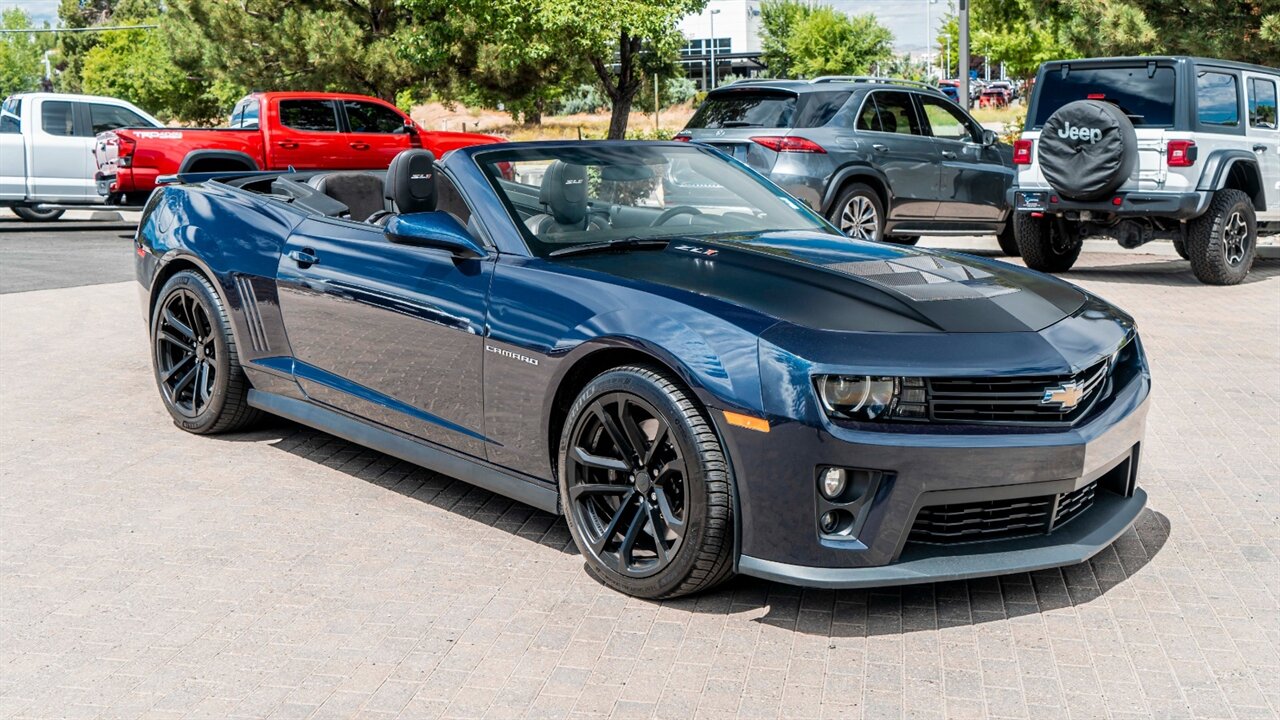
{"type": "Point", "coordinates": [586, 98]}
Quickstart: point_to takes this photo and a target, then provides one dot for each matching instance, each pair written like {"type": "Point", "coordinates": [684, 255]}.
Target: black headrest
{"type": "Point", "coordinates": [411, 181]}
{"type": "Point", "coordinates": [564, 192]}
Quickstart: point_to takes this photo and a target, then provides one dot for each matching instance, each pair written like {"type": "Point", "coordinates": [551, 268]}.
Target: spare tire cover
{"type": "Point", "coordinates": [1087, 149]}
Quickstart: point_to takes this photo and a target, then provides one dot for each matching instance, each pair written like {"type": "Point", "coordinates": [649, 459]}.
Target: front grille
{"type": "Point", "coordinates": [985, 520]}
{"type": "Point", "coordinates": [1017, 400]}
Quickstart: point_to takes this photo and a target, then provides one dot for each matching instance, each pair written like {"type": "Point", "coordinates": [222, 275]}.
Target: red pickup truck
{"type": "Point", "coordinates": [268, 131]}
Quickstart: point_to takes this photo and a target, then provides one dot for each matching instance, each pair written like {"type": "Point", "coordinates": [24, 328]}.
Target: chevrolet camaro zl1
{"type": "Point", "coordinates": [700, 373]}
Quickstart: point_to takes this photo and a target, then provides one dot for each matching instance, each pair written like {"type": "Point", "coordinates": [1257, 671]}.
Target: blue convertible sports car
{"type": "Point", "coordinates": [701, 374]}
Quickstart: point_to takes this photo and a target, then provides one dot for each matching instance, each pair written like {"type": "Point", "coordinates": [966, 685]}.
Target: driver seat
{"type": "Point", "coordinates": [410, 186]}
{"type": "Point", "coordinates": [563, 196]}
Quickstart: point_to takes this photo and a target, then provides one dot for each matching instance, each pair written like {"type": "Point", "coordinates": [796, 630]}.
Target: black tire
{"type": "Point", "coordinates": [620, 486]}
{"type": "Point", "coordinates": [902, 239]}
{"type": "Point", "coordinates": [1046, 244]}
{"type": "Point", "coordinates": [1180, 247]}
{"type": "Point", "coordinates": [1087, 149]}
{"type": "Point", "coordinates": [190, 338]}
{"type": "Point", "coordinates": [849, 212]}
{"type": "Point", "coordinates": [34, 215]}
{"type": "Point", "coordinates": [1008, 241]}
{"type": "Point", "coordinates": [1222, 243]}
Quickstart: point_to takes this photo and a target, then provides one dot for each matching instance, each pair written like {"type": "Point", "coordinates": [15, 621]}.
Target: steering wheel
{"type": "Point", "coordinates": [673, 212]}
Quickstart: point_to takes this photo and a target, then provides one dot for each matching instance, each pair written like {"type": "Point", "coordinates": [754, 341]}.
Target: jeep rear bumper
{"type": "Point", "coordinates": [1176, 205]}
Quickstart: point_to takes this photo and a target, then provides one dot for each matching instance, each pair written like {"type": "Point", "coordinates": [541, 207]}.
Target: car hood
{"type": "Point", "coordinates": [830, 282]}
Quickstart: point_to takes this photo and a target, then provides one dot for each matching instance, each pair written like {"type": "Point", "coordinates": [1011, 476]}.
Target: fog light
{"type": "Point", "coordinates": [829, 522]}
{"type": "Point", "coordinates": [833, 483]}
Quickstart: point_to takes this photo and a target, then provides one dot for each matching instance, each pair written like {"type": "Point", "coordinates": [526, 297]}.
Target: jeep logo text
{"type": "Point", "coordinates": [1093, 135]}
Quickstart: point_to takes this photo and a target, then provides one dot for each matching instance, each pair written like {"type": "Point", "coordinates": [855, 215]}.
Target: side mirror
{"type": "Point", "coordinates": [989, 138]}
{"type": "Point", "coordinates": [436, 229]}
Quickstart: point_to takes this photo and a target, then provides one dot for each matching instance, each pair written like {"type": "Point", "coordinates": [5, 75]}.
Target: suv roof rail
{"type": "Point", "coordinates": [869, 79]}
{"type": "Point", "coordinates": [748, 81]}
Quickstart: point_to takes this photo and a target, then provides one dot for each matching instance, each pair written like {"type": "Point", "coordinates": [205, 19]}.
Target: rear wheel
{"type": "Point", "coordinates": [1008, 241]}
{"type": "Point", "coordinates": [645, 487]}
{"type": "Point", "coordinates": [1046, 244]}
{"type": "Point", "coordinates": [34, 215]}
{"type": "Point", "coordinates": [1223, 242]}
{"type": "Point", "coordinates": [1180, 247]}
{"type": "Point", "coordinates": [197, 367]}
{"type": "Point", "coordinates": [859, 213]}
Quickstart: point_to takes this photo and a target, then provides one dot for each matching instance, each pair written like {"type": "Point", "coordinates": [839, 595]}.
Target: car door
{"type": "Point", "coordinates": [375, 133]}
{"type": "Point", "coordinates": [61, 155]}
{"type": "Point", "coordinates": [972, 178]}
{"type": "Point", "coordinates": [306, 135]}
{"type": "Point", "coordinates": [1264, 136]}
{"type": "Point", "coordinates": [13, 153]}
{"type": "Point", "coordinates": [900, 148]}
{"type": "Point", "coordinates": [388, 332]}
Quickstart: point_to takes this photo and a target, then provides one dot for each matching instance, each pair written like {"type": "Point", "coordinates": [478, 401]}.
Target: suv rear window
{"type": "Point", "coordinates": [1147, 100]}
{"type": "Point", "coordinates": [745, 110]}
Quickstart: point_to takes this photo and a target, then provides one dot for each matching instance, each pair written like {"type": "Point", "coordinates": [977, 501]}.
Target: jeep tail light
{"type": "Point", "coordinates": [1182, 153]}
{"type": "Point", "coordinates": [124, 151]}
{"type": "Point", "coordinates": [788, 143]}
{"type": "Point", "coordinates": [1022, 152]}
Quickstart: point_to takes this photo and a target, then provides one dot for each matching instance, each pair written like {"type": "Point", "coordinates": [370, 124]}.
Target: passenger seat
{"type": "Point", "coordinates": [361, 192]}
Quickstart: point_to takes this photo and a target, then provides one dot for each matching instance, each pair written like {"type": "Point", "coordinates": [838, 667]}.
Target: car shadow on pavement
{"type": "Point", "coordinates": [830, 613]}
{"type": "Point", "coordinates": [1171, 271]}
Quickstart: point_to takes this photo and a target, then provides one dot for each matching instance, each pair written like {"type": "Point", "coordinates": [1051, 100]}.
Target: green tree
{"type": "Point", "coordinates": [1245, 30]}
{"type": "Point", "coordinates": [137, 65]}
{"type": "Point", "coordinates": [73, 47]}
{"type": "Point", "coordinates": [778, 21]}
{"type": "Point", "coordinates": [829, 42]}
{"type": "Point", "coordinates": [337, 45]}
{"type": "Point", "coordinates": [622, 40]}
{"type": "Point", "coordinates": [493, 54]}
{"type": "Point", "coordinates": [21, 54]}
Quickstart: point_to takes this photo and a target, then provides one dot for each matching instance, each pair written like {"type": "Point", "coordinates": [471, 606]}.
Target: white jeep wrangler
{"type": "Point", "coordinates": [1141, 148]}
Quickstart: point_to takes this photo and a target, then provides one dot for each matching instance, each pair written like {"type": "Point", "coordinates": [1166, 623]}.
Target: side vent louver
{"type": "Point", "coordinates": [249, 301]}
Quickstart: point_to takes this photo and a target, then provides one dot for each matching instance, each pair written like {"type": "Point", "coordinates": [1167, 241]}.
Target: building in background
{"type": "Point", "coordinates": [730, 28]}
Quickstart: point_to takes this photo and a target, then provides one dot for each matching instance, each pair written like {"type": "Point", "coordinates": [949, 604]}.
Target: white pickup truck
{"type": "Point", "coordinates": [46, 149]}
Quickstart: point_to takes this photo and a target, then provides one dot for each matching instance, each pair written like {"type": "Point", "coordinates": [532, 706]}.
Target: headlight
{"type": "Point", "coordinates": [867, 397]}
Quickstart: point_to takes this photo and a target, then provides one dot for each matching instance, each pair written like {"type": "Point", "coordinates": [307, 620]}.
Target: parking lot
{"type": "Point", "coordinates": [284, 573]}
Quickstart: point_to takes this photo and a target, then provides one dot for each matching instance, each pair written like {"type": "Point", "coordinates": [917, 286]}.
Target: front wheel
{"type": "Point", "coordinates": [1222, 243]}
{"type": "Point", "coordinates": [644, 485]}
{"type": "Point", "coordinates": [197, 367]}
{"type": "Point", "coordinates": [33, 215]}
{"type": "Point", "coordinates": [1046, 244]}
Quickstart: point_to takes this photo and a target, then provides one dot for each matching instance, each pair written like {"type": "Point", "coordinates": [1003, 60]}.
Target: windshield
{"type": "Point", "coordinates": [567, 196]}
{"type": "Point", "coordinates": [1146, 97]}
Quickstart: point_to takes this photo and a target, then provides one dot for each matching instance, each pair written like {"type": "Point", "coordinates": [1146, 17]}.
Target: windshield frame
{"type": "Point", "coordinates": [487, 165]}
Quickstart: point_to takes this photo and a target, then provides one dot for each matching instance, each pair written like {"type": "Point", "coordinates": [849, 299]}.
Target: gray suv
{"type": "Point", "coordinates": [883, 159]}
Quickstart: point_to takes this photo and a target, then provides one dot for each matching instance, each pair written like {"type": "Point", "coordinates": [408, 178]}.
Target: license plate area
{"type": "Point", "coordinates": [1028, 200]}
{"type": "Point", "coordinates": [104, 184]}
{"type": "Point", "coordinates": [737, 151]}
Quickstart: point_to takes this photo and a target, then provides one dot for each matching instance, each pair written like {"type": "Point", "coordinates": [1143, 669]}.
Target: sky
{"type": "Point", "coordinates": [906, 18]}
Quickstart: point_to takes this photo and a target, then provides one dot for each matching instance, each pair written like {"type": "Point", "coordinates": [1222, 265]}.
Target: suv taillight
{"type": "Point", "coordinates": [1022, 152]}
{"type": "Point", "coordinates": [683, 138]}
{"type": "Point", "coordinates": [788, 143]}
{"type": "Point", "coordinates": [1181, 153]}
{"type": "Point", "coordinates": [124, 151]}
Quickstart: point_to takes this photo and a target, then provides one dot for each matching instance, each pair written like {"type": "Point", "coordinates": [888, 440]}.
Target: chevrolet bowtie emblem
{"type": "Point", "coordinates": [1067, 395]}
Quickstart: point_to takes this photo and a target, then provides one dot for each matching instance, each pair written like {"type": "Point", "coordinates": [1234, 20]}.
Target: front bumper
{"type": "Point", "coordinates": [779, 505]}
{"type": "Point", "coordinates": [1176, 205]}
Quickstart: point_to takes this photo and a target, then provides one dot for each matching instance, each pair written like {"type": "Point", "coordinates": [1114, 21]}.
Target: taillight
{"type": "Point", "coordinates": [124, 151]}
{"type": "Point", "coordinates": [788, 143]}
{"type": "Point", "coordinates": [1022, 152]}
{"type": "Point", "coordinates": [683, 138]}
{"type": "Point", "coordinates": [1181, 153]}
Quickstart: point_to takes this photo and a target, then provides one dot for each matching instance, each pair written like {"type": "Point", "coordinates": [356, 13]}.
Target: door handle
{"type": "Point", "coordinates": [948, 154]}
{"type": "Point", "coordinates": [880, 148]}
{"type": "Point", "coordinates": [306, 257]}
{"type": "Point", "coordinates": [360, 145]}
{"type": "Point", "coordinates": [1259, 148]}
{"type": "Point", "coordinates": [287, 145]}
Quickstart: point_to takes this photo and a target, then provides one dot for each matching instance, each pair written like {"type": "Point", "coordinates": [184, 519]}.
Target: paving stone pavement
{"type": "Point", "coordinates": [147, 573]}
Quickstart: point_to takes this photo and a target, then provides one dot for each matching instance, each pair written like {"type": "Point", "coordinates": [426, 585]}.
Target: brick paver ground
{"type": "Point", "coordinates": [148, 573]}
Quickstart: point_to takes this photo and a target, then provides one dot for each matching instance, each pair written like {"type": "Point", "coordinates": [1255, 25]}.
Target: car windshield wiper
{"type": "Point", "coordinates": [626, 243]}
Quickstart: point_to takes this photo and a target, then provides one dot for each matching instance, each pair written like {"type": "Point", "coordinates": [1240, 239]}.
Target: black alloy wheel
{"type": "Point", "coordinates": [644, 486]}
{"type": "Point", "coordinates": [186, 353]}
{"type": "Point", "coordinates": [197, 366]}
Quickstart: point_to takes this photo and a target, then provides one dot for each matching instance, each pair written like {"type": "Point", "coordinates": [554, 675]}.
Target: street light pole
{"type": "Point", "coordinates": [963, 70]}
{"type": "Point", "coordinates": [713, 48]}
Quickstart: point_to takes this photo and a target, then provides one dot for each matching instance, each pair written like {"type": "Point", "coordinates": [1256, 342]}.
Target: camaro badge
{"type": "Point", "coordinates": [1067, 395]}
